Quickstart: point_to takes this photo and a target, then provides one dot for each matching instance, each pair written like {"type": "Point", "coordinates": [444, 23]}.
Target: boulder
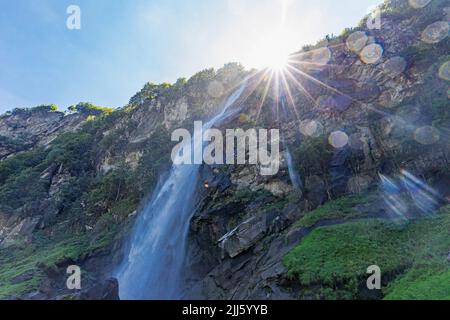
{"type": "Point", "coordinates": [243, 236]}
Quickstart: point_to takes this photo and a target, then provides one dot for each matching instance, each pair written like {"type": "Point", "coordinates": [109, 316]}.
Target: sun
{"type": "Point", "coordinates": [271, 50]}
{"type": "Point", "coordinates": [277, 60]}
{"type": "Point", "coordinates": [275, 55]}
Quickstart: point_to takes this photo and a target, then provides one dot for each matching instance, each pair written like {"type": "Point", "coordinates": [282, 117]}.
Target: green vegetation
{"type": "Point", "coordinates": [332, 261]}
{"type": "Point", "coordinates": [29, 261]}
{"type": "Point", "coordinates": [90, 207]}
{"type": "Point", "coordinates": [46, 108]}
{"type": "Point", "coordinates": [115, 191]}
{"type": "Point", "coordinates": [429, 276]}
{"type": "Point", "coordinates": [20, 162]}
{"type": "Point", "coordinates": [337, 257]}
{"type": "Point", "coordinates": [314, 155]}
{"type": "Point", "coordinates": [390, 10]}
{"type": "Point", "coordinates": [149, 92]}
{"type": "Point", "coordinates": [25, 177]}
{"type": "Point", "coordinates": [41, 108]}
{"type": "Point", "coordinates": [421, 283]}
{"type": "Point", "coordinates": [90, 109]}
{"type": "Point", "coordinates": [22, 187]}
{"type": "Point", "coordinates": [342, 208]}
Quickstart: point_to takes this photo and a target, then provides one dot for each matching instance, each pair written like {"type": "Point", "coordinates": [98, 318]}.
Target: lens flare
{"type": "Point", "coordinates": [321, 56]}
{"type": "Point", "coordinates": [418, 4]}
{"type": "Point", "coordinates": [418, 191]}
{"type": "Point", "coordinates": [427, 135]}
{"type": "Point", "coordinates": [311, 128]}
{"type": "Point", "coordinates": [338, 139]}
{"type": "Point", "coordinates": [372, 53]}
{"type": "Point", "coordinates": [435, 32]}
{"type": "Point", "coordinates": [407, 196]}
{"type": "Point", "coordinates": [357, 41]}
{"type": "Point", "coordinates": [444, 71]}
{"type": "Point", "coordinates": [394, 66]}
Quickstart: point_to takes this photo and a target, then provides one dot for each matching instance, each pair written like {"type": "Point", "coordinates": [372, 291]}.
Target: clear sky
{"type": "Point", "coordinates": [124, 43]}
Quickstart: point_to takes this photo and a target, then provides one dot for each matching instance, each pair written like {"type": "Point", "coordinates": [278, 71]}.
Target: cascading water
{"type": "Point", "coordinates": [153, 265]}
{"type": "Point", "coordinates": [293, 174]}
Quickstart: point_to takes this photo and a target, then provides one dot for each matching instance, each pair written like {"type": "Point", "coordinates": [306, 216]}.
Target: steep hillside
{"type": "Point", "coordinates": [382, 90]}
{"type": "Point", "coordinates": [364, 120]}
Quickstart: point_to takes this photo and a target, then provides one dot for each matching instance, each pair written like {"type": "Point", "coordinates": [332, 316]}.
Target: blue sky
{"type": "Point", "coordinates": [124, 43]}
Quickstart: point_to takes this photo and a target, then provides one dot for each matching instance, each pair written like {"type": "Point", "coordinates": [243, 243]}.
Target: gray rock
{"type": "Point", "coordinates": [243, 236]}
{"type": "Point", "coordinates": [105, 290]}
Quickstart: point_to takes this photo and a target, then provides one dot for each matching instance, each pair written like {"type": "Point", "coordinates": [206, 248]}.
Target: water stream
{"type": "Point", "coordinates": [153, 265]}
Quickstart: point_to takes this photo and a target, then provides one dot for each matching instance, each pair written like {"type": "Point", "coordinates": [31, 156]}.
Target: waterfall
{"type": "Point", "coordinates": [293, 174]}
{"type": "Point", "coordinates": [153, 264]}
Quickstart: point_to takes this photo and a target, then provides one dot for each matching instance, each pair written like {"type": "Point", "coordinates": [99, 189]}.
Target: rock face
{"type": "Point", "coordinates": [24, 129]}
{"type": "Point", "coordinates": [176, 113]}
{"type": "Point", "coordinates": [250, 266]}
{"type": "Point", "coordinates": [240, 239]}
{"type": "Point", "coordinates": [107, 290]}
{"type": "Point", "coordinates": [360, 112]}
{"type": "Point", "coordinates": [243, 237]}
{"type": "Point", "coordinates": [13, 231]}
{"type": "Point", "coordinates": [71, 199]}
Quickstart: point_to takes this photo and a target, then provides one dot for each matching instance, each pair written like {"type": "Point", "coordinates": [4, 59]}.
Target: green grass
{"type": "Point", "coordinates": [332, 261]}
{"type": "Point", "coordinates": [429, 277]}
{"type": "Point", "coordinates": [421, 283]}
{"type": "Point", "coordinates": [26, 259]}
{"type": "Point", "coordinates": [338, 256]}
{"type": "Point", "coordinates": [343, 208]}
{"type": "Point", "coordinates": [30, 258]}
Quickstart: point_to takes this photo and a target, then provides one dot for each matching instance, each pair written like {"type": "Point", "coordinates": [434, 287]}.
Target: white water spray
{"type": "Point", "coordinates": [153, 265]}
{"type": "Point", "coordinates": [293, 174]}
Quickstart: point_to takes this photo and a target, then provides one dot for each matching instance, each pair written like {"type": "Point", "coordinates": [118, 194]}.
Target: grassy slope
{"type": "Point", "coordinates": [31, 259]}
{"type": "Point", "coordinates": [342, 208]}
{"type": "Point", "coordinates": [333, 260]}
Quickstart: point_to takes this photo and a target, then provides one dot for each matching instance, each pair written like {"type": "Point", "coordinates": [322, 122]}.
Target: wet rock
{"type": "Point", "coordinates": [278, 188]}
{"type": "Point", "coordinates": [105, 290]}
{"type": "Point", "coordinates": [243, 236]}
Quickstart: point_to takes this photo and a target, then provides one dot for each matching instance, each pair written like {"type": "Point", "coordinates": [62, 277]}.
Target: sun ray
{"type": "Point", "coordinates": [266, 91]}
{"type": "Point", "coordinates": [248, 78]}
{"type": "Point", "coordinates": [304, 74]}
{"type": "Point", "coordinates": [277, 96]}
{"type": "Point", "coordinates": [302, 88]}
{"type": "Point", "coordinates": [276, 75]}
{"type": "Point", "coordinates": [288, 90]}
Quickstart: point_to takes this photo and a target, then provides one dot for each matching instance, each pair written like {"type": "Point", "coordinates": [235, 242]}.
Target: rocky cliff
{"type": "Point", "coordinates": [379, 89]}
{"type": "Point", "coordinates": [365, 118]}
